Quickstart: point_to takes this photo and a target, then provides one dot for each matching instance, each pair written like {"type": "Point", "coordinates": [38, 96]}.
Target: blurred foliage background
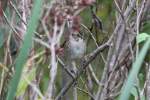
{"type": "Point", "coordinates": [37, 67]}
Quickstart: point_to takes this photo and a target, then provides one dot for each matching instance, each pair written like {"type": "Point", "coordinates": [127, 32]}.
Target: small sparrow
{"type": "Point", "coordinates": [75, 47]}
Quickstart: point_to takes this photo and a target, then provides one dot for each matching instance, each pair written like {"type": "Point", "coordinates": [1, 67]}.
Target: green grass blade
{"type": "Point", "coordinates": [134, 71]}
{"type": "Point", "coordinates": [27, 44]}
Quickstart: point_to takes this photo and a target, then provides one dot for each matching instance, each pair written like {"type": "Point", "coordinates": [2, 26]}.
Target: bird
{"type": "Point", "coordinates": [75, 47]}
{"type": "Point", "coordinates": [74, 50]}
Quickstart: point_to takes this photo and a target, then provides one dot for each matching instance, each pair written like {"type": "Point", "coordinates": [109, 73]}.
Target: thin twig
{"type": "Point", "coordinates": [19, 15]}
{"type": "Point", "coordinates": [94, 40]}
{"type": "Point", "coordinates": [138, 20]}
{"type": "Point", "coordinates": [86, 92]}
{"type": "Point", "coordinates": [92, 56]}
{"type": "Point", "coordinates": [65, 68]}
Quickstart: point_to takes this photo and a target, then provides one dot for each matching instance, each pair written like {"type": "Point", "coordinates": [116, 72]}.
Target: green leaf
{"type": "Point", "coordinates": [143, 97]}
{"type": "Point", "coordinates": [142, 37]}
{"type": "Point", "coordinates": [1, 38]}
{"type": "Point", "coordinates": [146, 27]}
{"type": "Point", "coordinates": [134, 72]}
{"type": "Point", "coordinates": [24, 51]}
{"type": "Point", "coordinates": [134, 92]}
{"type": "Point", "coordinates": [27, 75]}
